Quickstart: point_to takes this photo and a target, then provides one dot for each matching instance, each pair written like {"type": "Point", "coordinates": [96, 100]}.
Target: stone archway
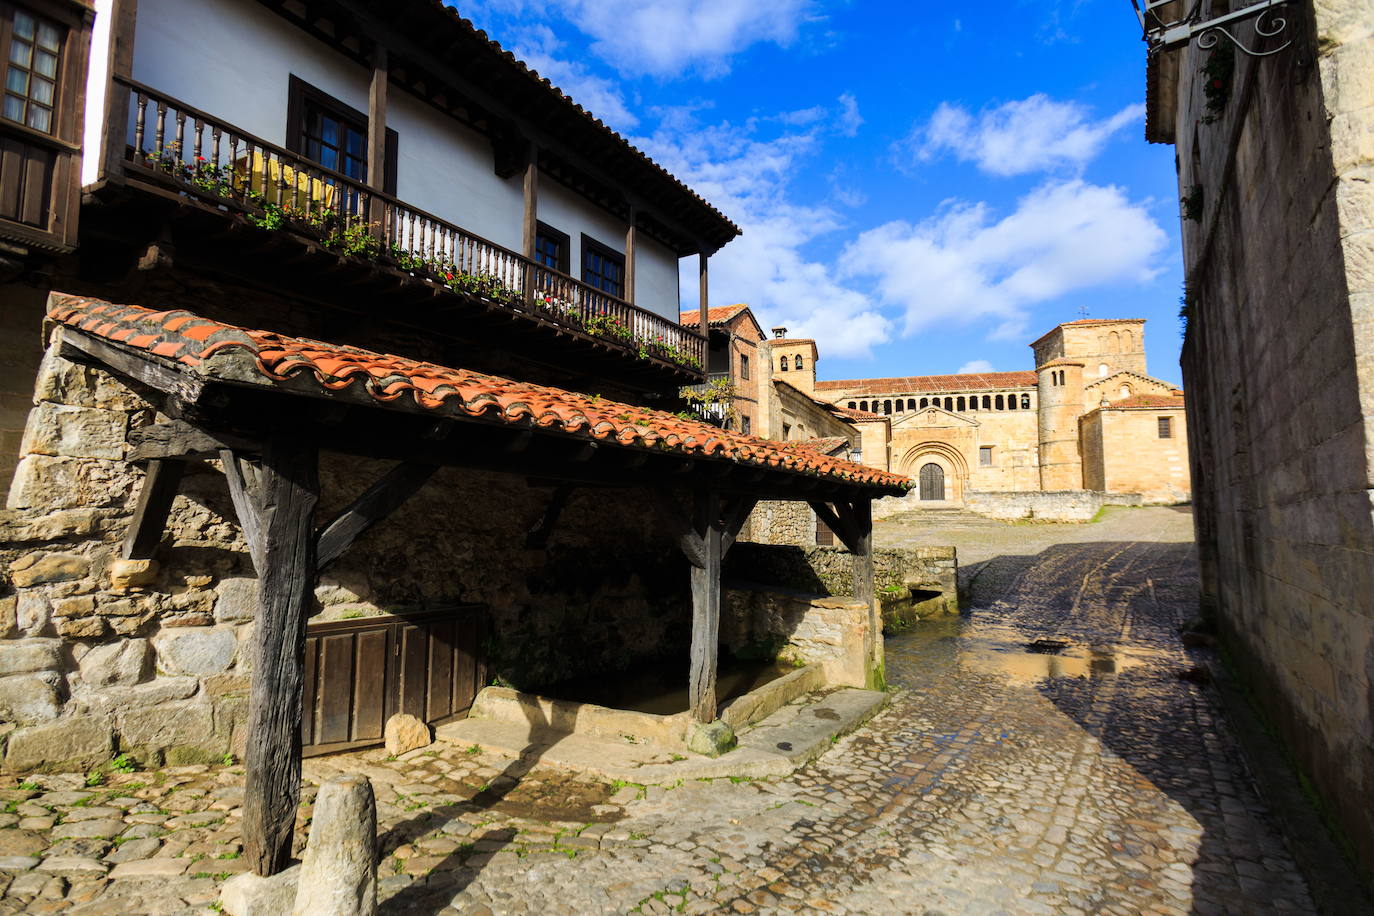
{"type": "Point", "coordinates": [953, 473]}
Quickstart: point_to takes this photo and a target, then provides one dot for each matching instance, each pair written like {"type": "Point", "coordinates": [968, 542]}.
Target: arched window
{"type": "Point", "coordinates": [784, 364]}
{"type": "Point", "coordinates": [925, 402]}
{"type": "Point", "coordinates": [1025, 402]}
{"type": "Point", "coordinates": [1114, 342]}
{"type": "Point", "coordinates": [887, 407]}
{"type": "Point", "coordinates": [910, 403]}
{"type": "Point", "coordinates": [949, 403]}
{"type": "Point", "coordinates": [1125, 391]}
{"type": "Point", "coordinates": [797, 362]}
{"type": "Point", "coordinates": [853, 406]}
{"type": "Point", "coordinates": [863, 405]}
{"type": "Point", "coordinates": [987, 402]}
{"type": "Point", "coordinates": [999, 403]}
{"type": "Point", "coordinates": [960, 405]}
{"type": "Point", "coordinates": [973, 402]}
{"type": "Point", "coordinates": [1128, 342]}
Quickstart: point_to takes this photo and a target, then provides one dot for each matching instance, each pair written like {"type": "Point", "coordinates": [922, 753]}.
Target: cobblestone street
{"type": "Point", "coordinates": [1054, 751]}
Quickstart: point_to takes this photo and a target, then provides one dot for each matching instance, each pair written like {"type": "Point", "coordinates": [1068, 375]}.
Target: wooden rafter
{"type": "Point", "coordinates": [376, 503]}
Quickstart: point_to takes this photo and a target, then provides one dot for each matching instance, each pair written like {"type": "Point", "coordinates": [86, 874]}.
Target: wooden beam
{"type": "Point", "coordinates": [701, 689]}
{"type": "Point", "coordinates": [735, 517]}
{"type": "Point", "coordinates": [243, 490]}
{"type": "Point", "coordinates": [376, 134]}
{"type": "Point", "coordinates": [835, 520]}
{"type": "Point", "coordinates": [531, 201]}
{"type": "Point", "coordinates": [121, 63]}
{"type": "Point", "coordinates": [537, 538]}
{"type": "Point", "coordinates": [630, 256]}
{"type": "Point", "coordinates": [376, 503]}
{"type": "Point", "coordinates": [160, 483]}
{"type": "Point", "coordinates": [703, 291]}
{"type": "Point", "coordinates": [860, 523]}
{"type": "Point", "coordinates": [146, 371]}
{"type": "Point", "coordinates": [175, 439]}
{"type": "Point", "coordinates": [272, 782]}
{"type": "Point", "coordinates": [688, 538]}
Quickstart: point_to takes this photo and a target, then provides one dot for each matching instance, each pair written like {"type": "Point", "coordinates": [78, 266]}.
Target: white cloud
{"type": "Point", "coordinates": [962, 264]}
{"type": "Point", "coordinates": [848, 120]}
{"type": "Point", "coordinates": [974, 367]}
{"type": "Point", "coordinates": [1031, 135]}
{"type": "Point", "coordinates": [666, 38]}
{"type": "Point", "coordinates": [748, 177]}
{"type": "Point", "coordinates": [538, 47]}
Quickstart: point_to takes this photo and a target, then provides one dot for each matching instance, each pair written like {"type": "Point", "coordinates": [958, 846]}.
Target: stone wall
{"type": "Point", "coordinates": [779, 522]}
{"type": "Point", "coordinates": [1058, 506]}
{"type": "Point", "coordinates": [1278, 362]}
{"type": "Point", "coordinates": [1123, 453]}
{"type": "Point", "coordinates": [834, 633]}
{"type": "Point", "coordinates": [159, 669]}
{"type": "Point", "coordinates": [830, 570]}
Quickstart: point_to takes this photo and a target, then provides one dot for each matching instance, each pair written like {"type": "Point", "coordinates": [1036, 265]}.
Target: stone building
{"type": "Point", "coordinates": [1274, 163]}
{"type": "Point", "coordinates": [732, 355]}
{"type": "Point", "coordinates": [304, 450]}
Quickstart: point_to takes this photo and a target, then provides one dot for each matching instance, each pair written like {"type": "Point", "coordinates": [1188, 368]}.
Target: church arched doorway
{"type": "Point", "coordinates": [932, 482]}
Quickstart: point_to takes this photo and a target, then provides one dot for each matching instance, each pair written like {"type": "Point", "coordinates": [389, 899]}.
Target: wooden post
{"type": "Point", "coordinates": [376, 138]}
{"type": "Point", "coordinates": [630, 256]}
{"type": "Point", "coordinates": [121, 63]}
{"type": "Point", "coordinates": [284, 500]}
{"type": "Point", "coordinates": [531, 227]}
{"type": "Point", "coordinates": [860, 523]}
{"type": "Point", "coordinates": [701, 690]}
{"type": "Point", "coordinates": [703, 294]}
{"type": "Point", "coordinates": [154, 502]}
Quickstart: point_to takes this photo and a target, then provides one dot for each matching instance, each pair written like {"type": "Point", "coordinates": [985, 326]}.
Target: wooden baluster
{"type": "Point", "coordinates": [161, 126]}
{"type": "Point", "coordinates": [200, 134]}
{"type": "Point", "coordinates": [215, 134]}
{"type": "Point", "coordinates": [140, 119]}
{"type": "Point", "coordinates": [234, 163]}
{"type": "Point", "coordinates": [181, 137]}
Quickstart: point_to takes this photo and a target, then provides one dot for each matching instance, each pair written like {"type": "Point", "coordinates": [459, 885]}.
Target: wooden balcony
{"type": "Point", "coordinates": [192, 158]}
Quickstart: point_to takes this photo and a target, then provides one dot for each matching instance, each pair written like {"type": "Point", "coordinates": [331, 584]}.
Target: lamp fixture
{"type": "Point", "coordinates": [1169, 24]}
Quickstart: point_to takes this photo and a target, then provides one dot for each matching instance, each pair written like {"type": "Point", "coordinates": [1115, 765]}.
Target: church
{"type": "Point", "coordinates": [1087, 417]}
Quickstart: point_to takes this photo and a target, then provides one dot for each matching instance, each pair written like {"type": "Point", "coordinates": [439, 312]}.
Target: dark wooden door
{"type": "Point", "coordinates": [358, 673]}
{"type": "Point", "coordinates": [932, 482]}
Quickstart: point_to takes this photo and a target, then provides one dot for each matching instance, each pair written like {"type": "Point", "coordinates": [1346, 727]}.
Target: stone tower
{"type": "Point", "coordinates": [1105, 346]}
{"type": "Point", "coordinates": [800, 355]}
{"type": "Point", "coordinates": [1060, 387]}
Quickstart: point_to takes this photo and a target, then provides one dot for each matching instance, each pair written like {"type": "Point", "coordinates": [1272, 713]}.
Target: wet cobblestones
{"type": "Point", "coordinates": [1041, 755]}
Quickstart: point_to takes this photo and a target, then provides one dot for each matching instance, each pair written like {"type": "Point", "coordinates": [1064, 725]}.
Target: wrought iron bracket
{"type": "Point", "coordinates": [1164, 30]}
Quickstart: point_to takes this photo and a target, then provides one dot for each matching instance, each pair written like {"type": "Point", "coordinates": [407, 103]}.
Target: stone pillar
{"type": "Point", "coordinates": [339, 872]}
{"type": "Point", "coordinates": [1061, 404]}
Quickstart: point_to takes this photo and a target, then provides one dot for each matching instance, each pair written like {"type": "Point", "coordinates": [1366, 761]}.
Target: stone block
{"type": "Point", "coordinates": [29, 656]}
{"type": "Point", "coordinates": [405, 732]}
{"type": "Point", "coordinates": [109, 700]}
{"type": "Point", "coordinates": [710, 739]}
{"type": "Point", "coordinates": [81, 627]}
{"type": "Point", "coordinates": [251, 895]}
{"type": "Point", "coordinates": [46, 482]}
{"type": "Point", "coordinates": [150, 868]}
{"type": "Point", "coordinates": [339, 870]}
{"type": "Point", "coordinates": [74, 432]}
{"type": "Point", "coordinates": [133, 573]}
{"type": "Point", "coordinates": [76, 606]}
{"type": "Point", "coordinates": [166, 725]}
{"type": "Point", "coordinates": [40, 568]}
{"type": "Point", "coordinates": [65, 524]}
{"type": "Point", "coordinates": [35, 613]}
{"type": "Point", "coordinates": [236, 599]}
{"type": "Point", "coordinates": [123, 662]}
{"type": "Point", "coordinates": [197, 651]}
{"type": "Point", "coordinates": [64, 382]}
{"type": "Point", "coordinates": [9, 617]}
{"type": "Point", "coordinates": [77, 742]}
{"type": "Point", "coordinates": [27, 698]}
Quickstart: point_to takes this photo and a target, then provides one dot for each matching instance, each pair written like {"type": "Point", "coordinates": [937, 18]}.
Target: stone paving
{"type": "Point", "coordinates": [1055, 751]}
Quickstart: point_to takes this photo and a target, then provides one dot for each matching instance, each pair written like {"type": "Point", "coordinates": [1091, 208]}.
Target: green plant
{"type": "Point", "coordinates": [1218, 71]}
{"type": "Point", "coordinates": [228, 759]}
{"type": "Point", "coordinates": [123, 764]}
{"type": "Point", "coordinates": [95, 778]}
{"type": "Point", "coordinates": [474, 749]}
{"type": "Point", "coordinates": [1190, 204]}
{"type": "Point", "coordinates": [29, 785]}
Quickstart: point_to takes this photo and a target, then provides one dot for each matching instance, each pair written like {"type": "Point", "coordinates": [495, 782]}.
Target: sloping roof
{"type": "Point", "coordinates": [716, 314]}
{"type": "Point", "coordinates": [857, 414]}
{"type": "Point", "coordinates": [1083, 322]}
{"type": "Point", "coordinates": [925, 383]}
{"type": "Point", "coordinates": [223, 352]}
{"type": "Point", "coordinates": [1061, 361]}
{"type": "Point", "coordinates": [1149, 401]}
{"type": "Point", "coordinates": [828, 445]}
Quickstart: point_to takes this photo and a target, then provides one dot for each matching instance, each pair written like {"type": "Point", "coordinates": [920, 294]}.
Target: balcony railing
{"type": "Point", "coordinates": [278, 189]}
{"type": "Point", "coordinates": [714, 411]}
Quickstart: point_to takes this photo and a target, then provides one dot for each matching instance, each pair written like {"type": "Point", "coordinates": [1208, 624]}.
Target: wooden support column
{"type": "Point", "coordinates": [701, 689]}
{"type": "Point", "coordinates": [376, 138]}
{"type": "Point", "coordinates": [860, 523]}
{"type": "Point", "coordinates": [160, 483]}
{"type": "Point", "coordinates": [703, 293]}
{"type": "Point", "coordinates": [531, 224]}
{"type": "Point", "coordinates": [630, 256]}
{"type": "Point", "coordinates": [283, 501]}
{"type": "Point", "coordinates": [121, 63]}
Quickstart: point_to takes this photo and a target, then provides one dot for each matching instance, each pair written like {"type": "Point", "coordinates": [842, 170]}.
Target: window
{"type": "Point", "coordinates": [551, 247]}
{"type": "Point", "coordinates": [887, 407]}
{"type": "Point", "coordinates": [949, 404]}
{"type": "Point", "coordinates": [1166, 427]}
{"type": "Point", "coordinates": [786, 432]}
{"type": "Point", "coordinates": [797, 362]}
{"type": "Point", "coordinates": [960, 405]}
{"type": "Point", "coordinates": [744, 368]}
{"type": "Point", "coordinates": [987, 402]}
{"type": "Point", "coordinates": [985, 456]}
{"type": "Point", "coordinates": [1125, 391]}
{"type": "Point", "coordinates": [602, 267]}
{"type": "Point", "coordinates": [1000, 404]}
{"type": "Point", "coordinates": [745, 425]}
{"type": "Point", "coordinates": [1025, 401]}
{"type": "Point", "coordinates": [1101, 369]}
{"type": "Point", "coordinates": [783, 364]}
{"type": "Point", "coordinates": [31, 78]}
{"type": "Point", "coordinates": [910, 403]}
{"type": "Point", "coordinates": [853, 405]}
{"type": "Point", "coordinates": [324, 129]}
{"type": "Point", "coordinates": [925, 402]}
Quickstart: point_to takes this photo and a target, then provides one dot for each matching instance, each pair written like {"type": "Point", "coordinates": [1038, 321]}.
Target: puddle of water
{"type": "Point", "coordinates": [662, 689]}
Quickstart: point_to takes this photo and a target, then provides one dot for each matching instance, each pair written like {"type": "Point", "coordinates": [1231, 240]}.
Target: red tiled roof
{"type": "Point", "coordinates": [1087, 321]}
{"type": "Point", "coordinates": [200, 344]}
{"type": "Point", "coordinates": [1152, 401]}
{"type": "Point", "coordinates": [718, 314]}
{"type": "Point", "coordinates": [1061, 361]}
{"type": "Point", "coordinates": [791, 340]}
{"type": "Point", "coordinates": [857, 414]}
{"type": "Point", "coordinates": [828, 445]}
{"type": "Point", "coordinates": [921, 383]}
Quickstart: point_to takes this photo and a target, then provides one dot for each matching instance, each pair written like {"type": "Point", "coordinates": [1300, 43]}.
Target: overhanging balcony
{"type": "Point", "coordinates": [344, 238]}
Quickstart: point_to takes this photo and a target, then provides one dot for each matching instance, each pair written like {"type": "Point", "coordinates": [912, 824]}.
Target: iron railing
{"type": "Point", "coordinates": [279, 189]}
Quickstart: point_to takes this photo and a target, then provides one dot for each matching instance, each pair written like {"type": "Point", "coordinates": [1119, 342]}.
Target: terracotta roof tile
{"type": "Point", "coordinates": [1088, 321]}
{"type": "Point", "coordinates": [718, 314]}
{"type": "Point", "coordinates": [1153, 401]}
{"type": "Point", "coordinates": [828, 445]}
{"type": "Point", "coordinates": [920, 383]}
{"type": "Point", "coordinates": [384, 377]}
{"type": "Point", "coordinates": [858, 414]}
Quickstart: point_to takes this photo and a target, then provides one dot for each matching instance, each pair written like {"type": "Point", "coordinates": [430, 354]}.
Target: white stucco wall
{"type": "Point", "coordinates": [656, 277]}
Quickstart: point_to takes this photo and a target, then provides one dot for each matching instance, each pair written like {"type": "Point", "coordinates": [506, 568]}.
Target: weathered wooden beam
{"type": "Point", "coordinates": [160, 483]}
{"type": "Point", "coordinates": [145, 371]}
{"type": "Point", "coordinates": [835, 520]}
{"type": "Point", "coordinates": [531, 192]}
{"type": "Point", "coordinates": [286, 502]}
{"type": "Point", "coordinates": [703, 289]}
{"type": "Point", "coordinates": [179, 439]}
{"type": "Point", "coordinates": [701, 688]}
{"type": "Point", "coordinates": [537, 538]}
{"type": "Point", "coordinates": [630, 233]}
{"type": "Point", "coordinates": [688, 537]}
{"type": "Point", "coordinates": [376, 135]}
{"type": "Point", "coordinates": [858, 518]}
{"type": "Point", "coordinates": [735, 517]}
{"type": "Point", "coordinates": [243, 491]}
{"type": "Point", "coordinates": [376, 503]}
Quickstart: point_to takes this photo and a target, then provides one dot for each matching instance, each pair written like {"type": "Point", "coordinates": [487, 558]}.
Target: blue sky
{"type": "Point", "coordinates": [923, 187]}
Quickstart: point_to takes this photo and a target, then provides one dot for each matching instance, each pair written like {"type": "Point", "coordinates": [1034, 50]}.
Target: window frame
{"type": "Point", "coordinates": [744, 366]}
{"type": "Point", "coordinates": [563, 240]}
{"type": "Point", "coordinates": [1164, 426]}
{"type": "Point", "coordinates": [300, 94]}
{"type": "Point", "coordinates": [985, 459]}
{"type": "Point", "coordinates": [58, 79]}
{"type": "Point", "coordinates": [592, 246]}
